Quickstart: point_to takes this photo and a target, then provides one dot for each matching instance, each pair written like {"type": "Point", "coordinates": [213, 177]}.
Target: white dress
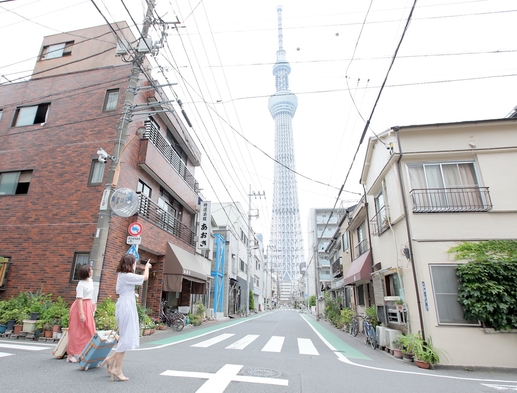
{"type": "Point", "coordinates": [125, 311]}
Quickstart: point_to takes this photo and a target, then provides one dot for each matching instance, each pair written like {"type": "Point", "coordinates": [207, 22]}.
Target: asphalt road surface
{"type": "Point", "coordinates": [281, 351]}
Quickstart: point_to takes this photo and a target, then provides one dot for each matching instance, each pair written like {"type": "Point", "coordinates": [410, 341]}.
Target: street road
{"type": "Point", "coordinates": [282, 351]}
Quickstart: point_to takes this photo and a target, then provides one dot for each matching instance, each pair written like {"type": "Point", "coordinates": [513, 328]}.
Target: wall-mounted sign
{"type": "Point", "coordinates": [205, 225]}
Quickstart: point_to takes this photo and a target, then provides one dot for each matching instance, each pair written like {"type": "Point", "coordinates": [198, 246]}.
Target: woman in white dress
{"type": "Point", "coordinates": [126, 314]}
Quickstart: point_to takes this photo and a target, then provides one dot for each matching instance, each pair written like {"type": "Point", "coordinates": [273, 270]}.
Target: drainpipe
{"type": "Point", "coordinates": [408, 230]}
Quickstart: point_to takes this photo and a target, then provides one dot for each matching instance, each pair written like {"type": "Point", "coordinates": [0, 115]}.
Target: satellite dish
{"type": "Point", "coordinates": [124, 202]}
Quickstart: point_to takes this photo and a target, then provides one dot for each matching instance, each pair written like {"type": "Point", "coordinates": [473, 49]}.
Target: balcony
{"type": "Point", "coordinates": [451, 200]}
{"type": "Point", "coordinates": [156, 138]}
{"type": "Point", "coordinates": [380, 222]}
{"type": "Point", "coordinates": [159, 217]}
{"type": "Point", "coordinates": [361, 248]}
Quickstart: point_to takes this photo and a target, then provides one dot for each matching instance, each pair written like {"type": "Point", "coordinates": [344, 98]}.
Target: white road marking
{"type": "Point", "coordinates": [3, 354]}
{"type": "Point", "coordinates": [243, 342]}
{"type": "Point", "coordinates": [25, 347]}
{"type": "Point", "coordinates": [274, 344]}
{"type": "Point", "coordinates": [212, 341]}
{"type": "Point", "coordinates": [218, 382]}
{"type": "Point", "coordinates": [306, 347]}
{"type": "Point", "coordinates": [501, 387]}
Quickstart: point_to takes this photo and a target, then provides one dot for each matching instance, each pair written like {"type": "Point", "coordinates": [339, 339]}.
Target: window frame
{"type": "Point", "coordinates": [111, 104]}
{"type": "Point", "coordinates": [65, 50]}
{"type": "Point", "coordinates": [93, 171]}
{"type": "Point", "coordinates": [74, 268]}
{"type": "Point", "coordinates": [438, 301]}
{"type": "Point", "coordinates": [36, 118]}
{"type": "Point", "coordinates": [16, 184]}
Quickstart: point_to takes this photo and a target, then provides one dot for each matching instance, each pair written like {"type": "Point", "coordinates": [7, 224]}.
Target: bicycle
{"type": "Point", "coordinates": [172, 318]}
{"type": "Point", "coordinates": [353, 326]}
{"type": "Point", "coordinates": [370, 336]}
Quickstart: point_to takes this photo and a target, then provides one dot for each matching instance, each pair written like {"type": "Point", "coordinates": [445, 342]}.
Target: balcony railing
{"type": "Point", "coordinates": [361, 248]}
{"type": "Point", "coordinates": [380, 222]}
{"type": "Point", "coordinates": [454, 200]}
{"type": "Point", "coordinates": [157, 139]}
{"type": "Point", "coordinates": [159, 217]}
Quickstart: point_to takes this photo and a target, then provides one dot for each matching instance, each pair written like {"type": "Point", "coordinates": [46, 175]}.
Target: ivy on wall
{"type": "Point", "coordinates": [487, 287]}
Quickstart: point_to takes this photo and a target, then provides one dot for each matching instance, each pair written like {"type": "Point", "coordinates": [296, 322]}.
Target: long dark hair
{"type": "Point", "coordinates": [126, 264]}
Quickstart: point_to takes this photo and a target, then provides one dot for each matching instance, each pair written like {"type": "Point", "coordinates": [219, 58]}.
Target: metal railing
{"type": "Point", "coordinates": [380, 222]}
{"type": "Point", "coordinates": [157, 139]}
{"type": "Point", "coordinates": [361, 248]}
{"type": "Point", "coordinates": [455, 200]}
{"type": "Point", "coordinates": [159, 217]}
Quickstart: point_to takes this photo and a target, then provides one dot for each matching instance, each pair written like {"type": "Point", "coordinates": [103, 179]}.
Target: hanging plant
{"type": "Point", "coordinates": [487, 285]}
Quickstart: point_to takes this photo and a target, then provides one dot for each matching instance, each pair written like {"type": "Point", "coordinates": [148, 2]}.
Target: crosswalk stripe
{"type": "Point", "coordinates": [274, 344]}
{"type": "Point", "coordinates": [24, 347]}
{"type": "Point", "coordinates": [306, 347]}
{"type": "Point", "coordinates": [212, 341]}
{"type": "Point", "coordinates": [243, 342]}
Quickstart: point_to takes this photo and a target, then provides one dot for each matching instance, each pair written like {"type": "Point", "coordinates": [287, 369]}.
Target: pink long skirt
{"type": "Point", "coordinates": [79, 333]}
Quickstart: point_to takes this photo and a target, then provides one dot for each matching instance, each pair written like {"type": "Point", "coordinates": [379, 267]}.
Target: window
{"type": "Point", "coordinates": [1, 112]}
{"type": "Point", "coordinates": [381, 219]}
{"type": "Point", "coordinates": [15, 183]}
{"type": "Point", "coordinates": [28, 115]}
{"type": "Point", "coordinates": [362, 243]}
{"type": "Point", "coordinates": [445, 289]}
{"type": "Point", "coordinates": [441, 187]}
{"type": "Point", "coordinates": [344, 241]}
{"type": "Point", "coordinates": [96, 172]}
{"type": "Point", "coordinates": [392, 285]}
{"type": "Point", "coordinates": [5, 262]}
{"type": "Point", "coordinates": [80, 258]}
{"type": "Point", "coordinates": [57, 50]}
{"type": "Point", "coordinates": [360, 295]}
{"type": "Point", "coordinates": [111, 100]}
{"type": "Point", "coordinates": [244, 238]}
{"type": "Point", "coordinates": [143, 188]}
{"type": "Point", "coordinates": [242, 265]}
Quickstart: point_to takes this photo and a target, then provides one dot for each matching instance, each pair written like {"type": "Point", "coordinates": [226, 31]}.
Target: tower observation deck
{"type": "Point", "coordinates": [286, 242]}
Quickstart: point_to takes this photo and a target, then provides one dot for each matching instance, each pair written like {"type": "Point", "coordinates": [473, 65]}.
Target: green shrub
{"type": "Point", "coordinates": [105, 315]}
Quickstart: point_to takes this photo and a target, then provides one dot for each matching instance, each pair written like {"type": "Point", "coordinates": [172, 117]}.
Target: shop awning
{"type": "Point", "coordinates": [360, 269]}
{"type": "Point", "coordinates": [182, 265]}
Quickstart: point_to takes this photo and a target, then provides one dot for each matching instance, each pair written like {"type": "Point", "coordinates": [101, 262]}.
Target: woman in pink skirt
{"type": "Point", "coordinates": [82, 324]}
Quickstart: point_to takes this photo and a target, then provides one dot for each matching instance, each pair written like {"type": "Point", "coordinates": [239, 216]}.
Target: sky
{"type": "Point", "coordinates": [455, 61]}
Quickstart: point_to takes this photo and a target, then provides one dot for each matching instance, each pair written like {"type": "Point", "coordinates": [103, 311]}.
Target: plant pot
{"type": "Point", "coordinates": [48, 333]}
{"type": "Point", "coordinates": [146, 332]}
{"type": "Point", "coordinates": [422, 364]}
{"type": "Point", "coordinates": [397, 353]}
{"type": "Point", "coordinates": [56, 328]}
{"type": "Point", "coordinates": [37, 333]}
{"type": "Point", "coordinates": [17, 329]}
{"type": "Point", "coordinates": [10, 324]}
{"type": "Point", "coordinates": [407, 357]}
{"type": "Point", "coordinates": [3, 328]}
{"type": "Point", "coordinates": [29, 326]}
{"type": "Point", "coordinates": [34, 316]}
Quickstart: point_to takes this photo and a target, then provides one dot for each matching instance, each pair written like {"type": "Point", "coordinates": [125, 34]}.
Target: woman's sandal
{"type": "Point", "coordinates": [71, 359]}
{"type": "Point", "coordinates": [109, 365]}
{"type": "Point", "coordinates": [119, 376]}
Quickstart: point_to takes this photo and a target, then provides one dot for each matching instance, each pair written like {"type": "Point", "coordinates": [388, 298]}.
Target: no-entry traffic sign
{"type": "Point", "coordinates": [135, 229]}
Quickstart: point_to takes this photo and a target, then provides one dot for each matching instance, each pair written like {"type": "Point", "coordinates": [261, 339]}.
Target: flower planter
{"type": "Point", "coordinates": [10, 324]}
{"type": "Point", "coordinates": [422, 364]}
{"type": "Point", "coordinates": [3, 328]}
{"type": "Point", "coordinates": [29, 326]}
{"type": "Point", "coordinates": [407, 357]}
{"type": "Point", "coordinates": [397, 353]}
{"type": "Point", "coordinates": [48, 333]}
{"type": "Point", "coordinates": [34, 316]}
{"type": "Point", "coordinates": [17, 329]}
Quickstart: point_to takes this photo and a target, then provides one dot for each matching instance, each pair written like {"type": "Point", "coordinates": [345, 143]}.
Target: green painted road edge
{"type": "Point", "coordinates": [188, 333]}
{"type": "Point", "coordinates": [335, 341]}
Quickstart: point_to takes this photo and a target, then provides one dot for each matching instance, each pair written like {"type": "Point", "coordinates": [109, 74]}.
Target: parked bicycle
{"type": "Point", "coordinates": [370, 336]}
{"type": "Point", "coordinates": [172, 318]}
{"type": "Point", "coordinates": [353, 327]}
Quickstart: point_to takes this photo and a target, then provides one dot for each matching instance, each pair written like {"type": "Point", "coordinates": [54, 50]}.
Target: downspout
{"type": "Point", "coordinates": [369, 245]}
{"type": "Point", "coordinates": [408, 230]}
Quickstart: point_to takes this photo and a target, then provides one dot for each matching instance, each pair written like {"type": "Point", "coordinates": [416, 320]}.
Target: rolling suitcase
{"type": "Point", "coordinates": [97, 349]}
{"type": "Point", "coordinates": [60, 349]}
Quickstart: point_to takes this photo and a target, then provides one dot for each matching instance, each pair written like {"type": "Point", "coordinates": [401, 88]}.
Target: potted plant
{"type": "Point", "coordinates": [426, 355]}
{"type": "Point", "coordinates": [397, 349]}
{"type": "Point", "coordinates": [400, 304]}
{"type": "Point", "coordinates": [409, 343]}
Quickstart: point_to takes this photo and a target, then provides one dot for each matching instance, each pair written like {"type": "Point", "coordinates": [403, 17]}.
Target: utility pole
{"type": "Point", "coordinates": [317, 279]}
{"type": "Point", "coordinates": [249, 274]}
{"type": "Point", "coordinates": [103, 222]}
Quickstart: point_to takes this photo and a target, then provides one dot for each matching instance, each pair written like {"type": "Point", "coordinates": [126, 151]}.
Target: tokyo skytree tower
{"type": "Point", "coordinates": [286, 242]}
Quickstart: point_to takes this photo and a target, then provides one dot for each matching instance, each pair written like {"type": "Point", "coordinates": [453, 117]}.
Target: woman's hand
{"type": "Point", "coordinates": [81, 317]}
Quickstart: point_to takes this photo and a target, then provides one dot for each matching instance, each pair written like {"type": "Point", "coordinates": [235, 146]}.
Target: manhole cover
{"type": "Point", "coordinates": [262, 372]}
